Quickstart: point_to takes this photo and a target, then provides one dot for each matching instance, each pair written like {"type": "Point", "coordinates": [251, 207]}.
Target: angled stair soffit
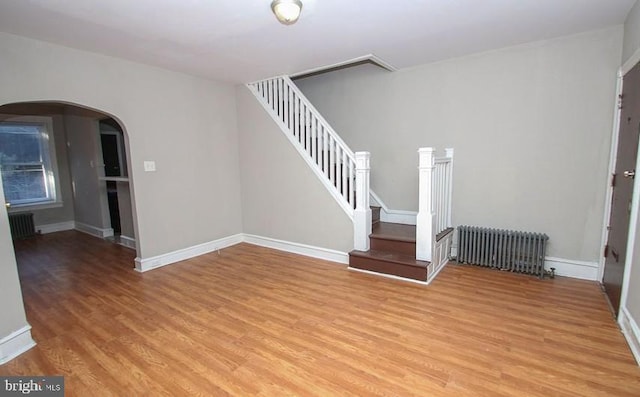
{"type": "Point", "coordinates": [365, 59]}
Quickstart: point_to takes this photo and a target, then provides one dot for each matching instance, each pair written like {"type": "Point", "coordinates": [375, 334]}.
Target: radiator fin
{"type": "Point", "coordinates": [515, 251]}
{"type": "Point", "coordinates": [22, 225]}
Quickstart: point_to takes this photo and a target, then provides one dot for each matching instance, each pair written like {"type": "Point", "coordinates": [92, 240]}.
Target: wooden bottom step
{"type": "Point", "coordinates": [393, 263]}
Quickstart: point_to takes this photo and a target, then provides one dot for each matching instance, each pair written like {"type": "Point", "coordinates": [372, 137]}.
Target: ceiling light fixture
{"type": "Point", "coordinates": [287, 11]}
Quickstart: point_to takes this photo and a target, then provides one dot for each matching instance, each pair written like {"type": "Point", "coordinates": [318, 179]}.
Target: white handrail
{"type": "Point", "coordinates": [344, 173]}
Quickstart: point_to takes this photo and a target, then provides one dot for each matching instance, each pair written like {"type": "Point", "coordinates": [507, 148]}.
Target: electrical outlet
{"type": "Point", "coordinates": [149, 166]}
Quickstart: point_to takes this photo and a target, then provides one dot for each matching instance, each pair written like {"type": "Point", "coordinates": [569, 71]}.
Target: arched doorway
{"type": "Point", "coordinates": [75, 183]}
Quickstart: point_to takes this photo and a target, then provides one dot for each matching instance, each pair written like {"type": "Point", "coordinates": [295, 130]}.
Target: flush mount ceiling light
{"type": "Point", "coordinates": [287, 11]}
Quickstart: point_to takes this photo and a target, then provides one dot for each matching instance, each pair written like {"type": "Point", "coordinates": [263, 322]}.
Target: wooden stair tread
{"type": "Point", "coordinates": [393, 257]}
{"type": "Point", "coordinates": [394, 231]}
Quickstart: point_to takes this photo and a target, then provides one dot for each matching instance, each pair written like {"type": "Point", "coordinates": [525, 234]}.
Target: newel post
{"type": "Point", "coordinates": [425, 218]}
{"type": "Point", "coordinates": [362, 213]}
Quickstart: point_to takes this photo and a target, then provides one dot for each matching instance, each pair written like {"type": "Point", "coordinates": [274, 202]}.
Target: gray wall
{"type": "Point", "coordinates": [631, 45]}
{"type": "Point", "coordinates": [631, 32]}
{"type": "Point", "coordinates": [90, 194]}
{"type": "Point", "coordinates": [126, 212]}
{"type": "Point", "coordinates": [186, 124]}
{"type": "Point", "coordinates": [530, 125]}
{"type": "Point", "coordinates": [281, 197]}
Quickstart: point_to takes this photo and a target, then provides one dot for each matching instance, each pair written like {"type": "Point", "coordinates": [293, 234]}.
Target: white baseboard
{"type": "Point", "coordinates": [631, 332]}
{"type": "Point", "coordinates": [573, 268]}
{"type": "Point", "coordinates": [146, 264]}
{"type": "Point", "coordinates": [437, 271]}
{"type": "Point", "coordinates": [94, 231]}
{"type": "Point", "coordinates": [297, 248]}
{"type": "Point", "coordinates": [55, 227]}
{"type": "Point", "coordinates": [564, 267]}
{"type": "Point", "coordinates": [398, 216]}
{"type": "Point", "coordinates": [16, 343]}
{"type": "Point", "coordinates": [128, 242]}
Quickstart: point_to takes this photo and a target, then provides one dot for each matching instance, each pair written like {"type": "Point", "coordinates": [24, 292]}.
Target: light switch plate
{"type": "Point", "coordinates": [149, 166]}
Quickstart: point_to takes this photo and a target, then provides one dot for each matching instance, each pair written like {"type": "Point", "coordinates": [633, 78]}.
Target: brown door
{"type": "Point", "coordinates": [616, 248]}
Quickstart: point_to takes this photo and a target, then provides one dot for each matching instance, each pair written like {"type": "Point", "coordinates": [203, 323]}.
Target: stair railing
{"type": "Point", "coordinates": [344, 173]}
{"type": "Point", "coordinates": [434, 200]}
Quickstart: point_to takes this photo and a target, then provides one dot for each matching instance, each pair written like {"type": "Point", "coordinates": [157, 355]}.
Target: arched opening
{"type": "Point", "coordinates": [66, 166]}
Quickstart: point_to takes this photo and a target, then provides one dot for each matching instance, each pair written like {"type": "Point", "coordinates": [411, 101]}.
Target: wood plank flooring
{"type": "Point", "coordinates": [256, 322]}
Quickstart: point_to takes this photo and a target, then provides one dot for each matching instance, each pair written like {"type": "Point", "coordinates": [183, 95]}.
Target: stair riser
{"type": "Point", "coordinates": [396, 269]}
{"type": "Point", "coordinates": [401, 247]}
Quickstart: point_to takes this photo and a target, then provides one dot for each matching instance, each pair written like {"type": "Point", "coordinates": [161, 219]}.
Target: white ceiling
{"type": "Point", "coordinates": [241, 41]}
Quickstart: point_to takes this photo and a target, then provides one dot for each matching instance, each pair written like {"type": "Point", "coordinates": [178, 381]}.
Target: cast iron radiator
{"type": "Point", "coordinates": [22, 225]}
{"type": "Point", "coordinates": [510, 250]}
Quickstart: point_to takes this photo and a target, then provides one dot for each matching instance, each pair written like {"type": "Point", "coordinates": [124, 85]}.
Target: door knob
{"type": "Point", "coordinates": [629, 174]}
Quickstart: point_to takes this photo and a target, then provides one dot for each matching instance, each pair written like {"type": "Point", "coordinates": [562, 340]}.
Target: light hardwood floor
{"type": "Point", "coordinates": [256, 322]}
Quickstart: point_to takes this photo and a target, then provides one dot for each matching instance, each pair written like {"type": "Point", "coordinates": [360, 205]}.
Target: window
{"type": "Point", "coordinates": [26, 155]}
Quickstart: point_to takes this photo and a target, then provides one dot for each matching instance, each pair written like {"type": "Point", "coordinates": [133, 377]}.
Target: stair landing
{"type": "Point", "coordinates": [393, 252]}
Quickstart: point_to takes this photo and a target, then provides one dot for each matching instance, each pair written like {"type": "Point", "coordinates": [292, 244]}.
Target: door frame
{"type": "Point", "coordinates": [635, 200]}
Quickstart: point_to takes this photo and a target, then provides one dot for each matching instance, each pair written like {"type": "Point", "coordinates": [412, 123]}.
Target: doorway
{"type": "Point", "coordinates": [115, 170]}
{"type": "Point", "coordinates": [622, 184]}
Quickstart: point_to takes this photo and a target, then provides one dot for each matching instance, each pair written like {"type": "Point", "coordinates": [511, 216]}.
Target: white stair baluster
{"type": "Point", "coordinates": [325, 152]}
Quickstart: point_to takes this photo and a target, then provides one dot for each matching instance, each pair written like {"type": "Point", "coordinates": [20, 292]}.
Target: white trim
{"type": "Point", "coordinates": [398, 216]}
{"type": "Point", "coordinates": [393, 216]}
{"type": "Point", "coordinates": [36, 206]}
{"type": "Point", "coordinates": [128, 242]}
{"type": "Point", "coordinates": [55, 227]}
{"type": "Point", "coordinates": [297, 248]}
{"type": "Point", "coordinates": [369, 57]}
{"type": "Point", "coordinates": [438, 269]}
{"type": "Point", "coordinates": [146, 264]}
{"type": "Point", "coordinates": [572, 268]}
{"type": "Point", "coordinates": [94, 231]}
{"type": "Point", "coordinates": [612, 169]}
{"type": "Point", "coordinates": [631, 332]}
{"type": "Point", "coordinates": [391, 276]}
{"type": "Point", "coordinates": [16, 343]}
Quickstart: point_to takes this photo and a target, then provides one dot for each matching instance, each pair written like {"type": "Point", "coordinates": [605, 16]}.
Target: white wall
{"type": "Point", "coordinates": [530, 125]}
{"type": "Point", "coordinates": [187, 125]}
{"type": "Point", "coordinates": [281, 197]}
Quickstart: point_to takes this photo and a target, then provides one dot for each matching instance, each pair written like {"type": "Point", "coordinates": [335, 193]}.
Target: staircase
{"type": "Point", "coordinates": [415, 252]}
{"type": "Point", "coordinates": [344, 174]}
{"type": "Point", "coordinates": [412, 252]}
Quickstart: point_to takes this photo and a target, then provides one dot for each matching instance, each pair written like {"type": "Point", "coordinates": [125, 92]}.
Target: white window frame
{"type": "Point", "coordinates": [50, 164]}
